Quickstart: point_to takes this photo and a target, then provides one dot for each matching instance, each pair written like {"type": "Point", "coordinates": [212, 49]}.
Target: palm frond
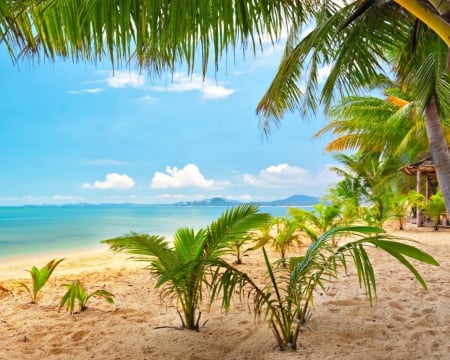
{"type": "Point", "coordinates": [148, 248]}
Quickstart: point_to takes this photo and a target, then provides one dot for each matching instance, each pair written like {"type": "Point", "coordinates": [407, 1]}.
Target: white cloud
{"type": "Point", "coordinates": [122, 79]}
{"type": "Point", "coordinates": [323, 73]}
{"type": "Point", "coordinates": [208, 88]}
{"type": "Point", "coordinates": [89, 91]}
{"type": "Point", "coordinates": [66, 198]}
{"type": "Point", "coordinates": [112, 181]}
{"type": "Point", "coordinates": [284, 175]}
{"type": "Point", "coordinates": [189, 176]}
{"type": "Point", "coordinates": [148, 99]}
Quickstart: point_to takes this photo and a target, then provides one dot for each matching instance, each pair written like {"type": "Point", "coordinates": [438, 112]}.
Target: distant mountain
{"type": "Point", "coordinates": [217, 201]}
{"type": "Point", "coordinates": [295, 200]}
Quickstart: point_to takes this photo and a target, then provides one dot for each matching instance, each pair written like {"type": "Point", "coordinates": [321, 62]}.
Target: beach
{"type": "Point", "coordinates": [406, 321]}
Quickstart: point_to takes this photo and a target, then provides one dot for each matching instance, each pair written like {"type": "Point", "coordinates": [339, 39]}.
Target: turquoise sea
{"type": "Point", "coordinates": [37, 229]}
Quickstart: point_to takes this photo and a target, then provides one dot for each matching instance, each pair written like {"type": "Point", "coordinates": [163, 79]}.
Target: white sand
{"type": "Point", "coordinates": [407, 322]}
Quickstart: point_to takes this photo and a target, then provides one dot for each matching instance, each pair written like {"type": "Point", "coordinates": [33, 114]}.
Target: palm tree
{"type": "Point", "coordinates": [391, 126]}
{"type": "Point", "coordinates": [357, 51]}
{"type": "Point", "coordinates": [182, 267]}
{"type": "Point", "coordinates": [373, 179]}
{"type": "Point", "coordinates": [433, 13]}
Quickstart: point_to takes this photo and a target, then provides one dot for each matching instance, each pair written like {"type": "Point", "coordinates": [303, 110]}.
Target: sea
{"type": "Point", "coordinates": [30, 230]}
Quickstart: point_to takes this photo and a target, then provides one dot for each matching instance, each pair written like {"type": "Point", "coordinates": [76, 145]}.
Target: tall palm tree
{"type": "Point", "coordinates": [357, 51]}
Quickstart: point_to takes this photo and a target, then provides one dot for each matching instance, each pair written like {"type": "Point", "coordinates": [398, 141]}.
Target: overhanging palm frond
{"type": "Point", "coordinates": [398, 250]}
{"type": "Point", "coordinates": [158, 34]}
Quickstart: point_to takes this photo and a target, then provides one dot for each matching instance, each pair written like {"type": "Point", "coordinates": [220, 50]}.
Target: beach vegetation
{"type": "Point", "coordinates": [238, 248]}
{"type": "Point", "coordinates": [287, 298]}
{"type": "Point", "coordinates": [372, 180]}
{"type": "Point", "coordinates": [195, 265]}
{"type": "Point", "coordinates": [183, 267]}
{"type": "Point", "coordinates": [77, 293]}
{"type": "Point", "coordinates": [361, 45]}
{"type": "Point", "coordinates": [281, 234]}
{"type": "Point", "coordinates": [39, 277]}
{"type": "Point", "coordinates": [403, 204]}
{"type": "Point", "coordinates": [318, 220]}
{"type": "Point", "coordinates": [435, 208]}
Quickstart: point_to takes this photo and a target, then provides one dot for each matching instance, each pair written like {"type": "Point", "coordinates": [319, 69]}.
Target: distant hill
{"type": "Point", "coordinates": [217, 201]}
{"type": "Point", "coordinates": [295, 200]}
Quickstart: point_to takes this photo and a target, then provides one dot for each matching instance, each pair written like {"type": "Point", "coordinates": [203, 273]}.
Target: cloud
{"type": "Point", "coordinates": [208, 88]}
{"type": "Point", "coordinates": [148, 99]}
{"type": "Point", "coordinates": [66, 198]}
{"type": "Point", "coordinates": [324, 72]}
{"type": "Point", "coordinates": [122, 79]}
{"type": "Point", "coordinates": [89, 91]}
{"type": "Point", "coordinates": [189, 176]}
{"type": "Point", "coordinates": [284, 175]}
{"type": "Point", "coordinates": [112, 181]}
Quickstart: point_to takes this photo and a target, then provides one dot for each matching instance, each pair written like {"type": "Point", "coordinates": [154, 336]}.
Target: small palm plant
{"type": "Point", "coordinates": [321, 218]}
{"type": "Point", "coordinates": [39, 278]}
{"type": "Point", "coordinates": [281, 234]}
{"type": "Point", "coordinates": [182, 268]}
{"type": "Point", "coordinates": [77, 293]}
{"type": "Point", "coordinates": [287, 297]}
{"type": "Point", "coordinates": [237, 248]}
{"type": "Point", "coordinates": [435, 207]}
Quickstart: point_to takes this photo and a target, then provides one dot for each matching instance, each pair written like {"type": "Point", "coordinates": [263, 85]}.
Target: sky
{"type": "Point", "coordinates": [79, 133]}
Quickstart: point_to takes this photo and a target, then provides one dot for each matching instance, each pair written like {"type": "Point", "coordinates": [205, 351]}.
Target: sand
{"type": "Point", "coordinates": [407, 322]}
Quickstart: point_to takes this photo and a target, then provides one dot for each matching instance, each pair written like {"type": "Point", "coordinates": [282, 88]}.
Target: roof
{"type": "Point", "coordinates": [426, 167]}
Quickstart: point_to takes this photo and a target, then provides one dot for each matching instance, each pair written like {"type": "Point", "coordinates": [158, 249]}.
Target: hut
{"type": "Point", "coordinates": [424, 168]}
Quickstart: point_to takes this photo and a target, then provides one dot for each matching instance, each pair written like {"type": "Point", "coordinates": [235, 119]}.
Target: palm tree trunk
{"type": "Point", "coordinates": [438, 149]}
{"type": "Point", "coordinates": [432, 19]}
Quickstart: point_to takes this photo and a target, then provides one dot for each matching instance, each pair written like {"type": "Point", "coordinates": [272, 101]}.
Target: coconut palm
{"type": "Point", "coordinates": [181, 268]}
{"type": "Point", "coordinates": [383, 37]}
{"type": "Point", "coordinates": [390, 126]}
{"type": "Point", "coordinates": [373, 180]}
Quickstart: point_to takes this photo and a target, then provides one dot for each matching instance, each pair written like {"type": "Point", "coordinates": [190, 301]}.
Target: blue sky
{"type": "Point", "coordinates": [74, 133]}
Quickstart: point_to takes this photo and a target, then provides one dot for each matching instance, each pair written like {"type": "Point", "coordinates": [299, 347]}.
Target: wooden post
{"type": "Point", "coordinates": [419, 190]}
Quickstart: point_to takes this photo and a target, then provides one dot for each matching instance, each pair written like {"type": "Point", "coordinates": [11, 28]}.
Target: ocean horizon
{"type": "Point", "coordinates": [34, 229]}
